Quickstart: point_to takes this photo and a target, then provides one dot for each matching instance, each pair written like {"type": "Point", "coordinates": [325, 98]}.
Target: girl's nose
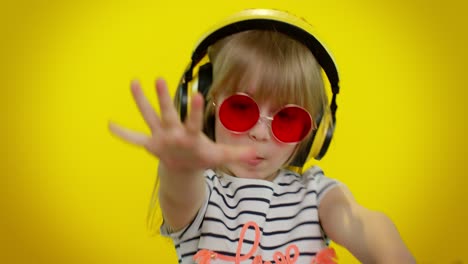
{"type": "Point", "coordinates": [261, 130]}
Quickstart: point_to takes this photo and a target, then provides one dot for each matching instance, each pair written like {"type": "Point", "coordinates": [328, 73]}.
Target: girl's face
{"type": "Point", "coordinates": [271, 154]}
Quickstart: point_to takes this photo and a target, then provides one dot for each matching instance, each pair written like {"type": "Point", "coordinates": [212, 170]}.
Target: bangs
{"type": "Point", "coordinates": [266, 65]}
{"type": "Point", "coordinates": [280, 85]}
{"type": "Point", "coordinates": [266, 81]}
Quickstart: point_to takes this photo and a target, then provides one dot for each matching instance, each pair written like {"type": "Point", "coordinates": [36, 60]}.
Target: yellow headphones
{"type": "Point", "coordinates": [198, 74]}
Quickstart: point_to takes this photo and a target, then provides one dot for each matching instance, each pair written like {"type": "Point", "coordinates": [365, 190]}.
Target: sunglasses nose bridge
{"type": "Point", "coordinates": [262, 128]}
{"type": "Point", "coordinates": [265, 119]}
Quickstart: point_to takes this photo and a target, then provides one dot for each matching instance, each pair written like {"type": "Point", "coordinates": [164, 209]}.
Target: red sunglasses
{"type": "Point", "coordinates": [239, 113]}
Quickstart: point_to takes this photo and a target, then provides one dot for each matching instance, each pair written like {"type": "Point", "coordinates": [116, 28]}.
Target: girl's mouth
{"type": "Point", "coordinates": [255, 161]}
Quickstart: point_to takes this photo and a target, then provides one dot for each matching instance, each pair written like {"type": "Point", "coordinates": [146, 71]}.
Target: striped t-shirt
{"type": "Point", "coordinates": [253, 218]}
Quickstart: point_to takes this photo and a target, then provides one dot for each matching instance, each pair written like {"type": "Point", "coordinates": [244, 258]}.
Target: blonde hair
{"type": "Point", "coordinates": [278, 68]}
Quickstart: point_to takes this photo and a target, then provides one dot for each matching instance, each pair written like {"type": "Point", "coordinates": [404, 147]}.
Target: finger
{"type": "Point", "coordinates": [128, 135]}
{"type": "Point", "coordinates": [169, 115]}
{"type": "Point", "coordinates": [194, 122]}
{"type": "Point", "coordinates": [146, 110]}
{"type": "Point", "coordinates": [227, 153]}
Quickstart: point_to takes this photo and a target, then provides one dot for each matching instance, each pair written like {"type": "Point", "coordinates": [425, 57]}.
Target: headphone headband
{"type": "Point", "coordinates": [275, 20]}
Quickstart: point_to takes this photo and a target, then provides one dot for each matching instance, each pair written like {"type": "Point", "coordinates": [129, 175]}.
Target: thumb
{"type": "Point", "coordinates": [229, 153]}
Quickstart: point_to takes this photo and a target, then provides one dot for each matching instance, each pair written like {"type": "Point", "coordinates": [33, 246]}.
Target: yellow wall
{"type": "Point", "coordinates": [72, 193]}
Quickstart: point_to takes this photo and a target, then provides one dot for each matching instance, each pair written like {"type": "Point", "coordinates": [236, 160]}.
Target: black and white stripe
{"type": "Point", "coordinates": [285, 210]}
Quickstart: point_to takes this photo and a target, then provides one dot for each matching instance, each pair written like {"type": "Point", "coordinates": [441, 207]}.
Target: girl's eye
{"type": "Point", "coordinates": [239, 106]}
{"type": "Point", "coordinates": [285, 116]}
{"type": "Point", "coordinates": [242, 107]}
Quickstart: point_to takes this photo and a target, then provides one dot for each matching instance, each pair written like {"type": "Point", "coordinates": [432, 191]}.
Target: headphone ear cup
{"type": "Point", "coordinates": [205, 78]}
{"type": "Point", "coordinates": [200, 83]}
{"type": "Point", "coordinates": [181, 99]}
{"type": "Point", "coordinates": [323, 136]}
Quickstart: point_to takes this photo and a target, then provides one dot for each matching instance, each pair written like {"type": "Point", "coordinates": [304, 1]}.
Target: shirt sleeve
{"type": "Point", "coordinates": [319, 182]}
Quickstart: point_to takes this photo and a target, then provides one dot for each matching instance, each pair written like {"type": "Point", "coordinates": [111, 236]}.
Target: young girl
{"type": "Point", "coordinates": [226, 192]}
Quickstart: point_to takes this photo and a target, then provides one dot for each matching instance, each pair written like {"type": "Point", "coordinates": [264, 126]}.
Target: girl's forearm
{"type": "Point", "coordinates": [181, 194]}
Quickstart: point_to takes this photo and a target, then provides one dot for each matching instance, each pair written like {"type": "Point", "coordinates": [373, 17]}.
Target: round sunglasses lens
{"type": "Point", "coordinates": [291, 124]}
{"type": "Point", "coordinates": [239, 113]}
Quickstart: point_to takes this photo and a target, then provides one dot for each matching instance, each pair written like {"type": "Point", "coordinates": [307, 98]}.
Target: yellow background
{"type": "Point", "coordinates": [72, 193]}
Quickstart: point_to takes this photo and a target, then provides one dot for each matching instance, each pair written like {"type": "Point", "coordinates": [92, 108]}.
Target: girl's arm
{"type": "Point", "coordinates": [369, 235]}
{"type": "Point", "coordinates": [184, 152]}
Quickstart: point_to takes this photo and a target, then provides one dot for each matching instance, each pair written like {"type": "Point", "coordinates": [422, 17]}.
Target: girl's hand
{"type": "Point", "coordinates": [181, 147]}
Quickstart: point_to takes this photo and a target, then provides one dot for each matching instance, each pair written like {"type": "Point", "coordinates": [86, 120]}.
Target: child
{"type": "Point", "coordinates": [226, 192]}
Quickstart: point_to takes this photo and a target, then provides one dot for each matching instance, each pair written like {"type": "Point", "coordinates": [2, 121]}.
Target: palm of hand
{"type": "Point", "coordinates": [179, 146]}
